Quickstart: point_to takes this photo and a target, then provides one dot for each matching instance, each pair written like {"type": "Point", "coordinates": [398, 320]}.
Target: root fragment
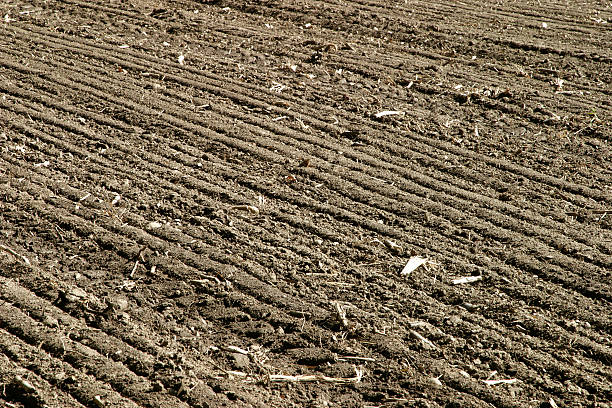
{"type": "Point", "coordinates": [24, 384]}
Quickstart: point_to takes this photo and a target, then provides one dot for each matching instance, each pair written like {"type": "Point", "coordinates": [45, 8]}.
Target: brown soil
{"type": "Point", "coordinates": [200, 203]}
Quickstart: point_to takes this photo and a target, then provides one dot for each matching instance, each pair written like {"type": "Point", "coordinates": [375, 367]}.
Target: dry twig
{"type": "Point", "coordinates": [346, 358]}
{"type": "Point", "coordinates": [427, 344]}
{"type": "Point", "coordinates": [235, 349]}
{"type": "Point", "coordinates": [388, 113]}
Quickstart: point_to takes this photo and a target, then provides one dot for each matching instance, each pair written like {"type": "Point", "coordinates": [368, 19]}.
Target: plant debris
{"type": "Point", "coordinates": [413, 263]}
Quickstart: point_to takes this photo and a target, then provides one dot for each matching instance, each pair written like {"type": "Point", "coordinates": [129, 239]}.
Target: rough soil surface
{"type": "Point", "coordinates": [202, 206]}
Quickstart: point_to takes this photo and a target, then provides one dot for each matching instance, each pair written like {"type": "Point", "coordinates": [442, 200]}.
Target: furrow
{"type": "Point", "coordinates": [249, 285]}
{"type": "Point", "coordinates": [589, 384]}
{"type": "Point", "coordinates": [76, 356]}
{"type": "Point", "coordinates": [522, 262]}
{"type": "Point", "coordinates": [598, 357]}
{"type": "Point", "coordinates": [425, 181]}
{"type": "Point", "coordinates": [199, 196]}
{"type": "Point", "coordinates": [317, 231]}
{"type": "Point", "coordinates": [382, 14]}
{"type": "Point", "coordinates": [421, 182]}
{"type": "Point", "coordinates": [127, 239]}
{"type": "Point", "coordinates": [444, 146]}
{"type": "Point", "coordinates": [14, 375]}
{"type": "Point", "coordinates": [172, 269]}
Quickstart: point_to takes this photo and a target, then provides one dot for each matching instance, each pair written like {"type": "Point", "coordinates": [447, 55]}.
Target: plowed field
{"type": "Point", "coordinates": [212, 203]}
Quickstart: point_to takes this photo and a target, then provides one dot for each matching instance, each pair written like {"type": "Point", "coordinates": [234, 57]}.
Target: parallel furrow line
{"type": "Point", "coordinates": [133, 172]}
{"type": "Point", "coordinates": [132, 238]}
{"type": "Point", "coordinates": [139, 362]}
{"type": "Point", "coordinates": [460, 216]}
{"type": "Point", "coordinates": [598, 353]}
{"type": "Point", "coordinates": [377, 62]}
{"type": "Point", "coordinates": [422, 181]}
{"type": "Point", "coordinates": [215, 88]}
{"type": "Point", "coordinates": [477, 13]}
{"type": "Point", "coordinates": [575, 101]}
{"type": "Point", "coordinates": [521, 261]}
{"type": "Point", "coordinates": [13, 366]}
{"type": "Point", "coordinates": [283, 304]}
{"type": "Point", "coordinates": [129, 389]}
{"type": "Point", "coordinates": [279, 216]}
{"type": "Point", "coordinates": [140, 17]}
{"type": "Point", "coordinates": [382, 12]}
{"type": "Point", "coordinates": [590, 384]}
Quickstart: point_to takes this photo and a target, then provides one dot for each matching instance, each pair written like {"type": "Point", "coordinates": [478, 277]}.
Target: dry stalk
{"type": "Point", "coordinates": [318, 378]}
{"type": "Point", "coordinates": [357, 358]}
{"type": "Point", "coordinates": [235, 349]}
{"type": "Point", "coordinates": [341, 314]}
{"type": "Point", "coordinates": [427, 344]}
{"type": "Point", "coordinates": [466, 279]}
{"type": "Point", "coordinates": [24, 384]}
{"type": "Point", "coordinates": [496, 382]}
{"type": "Point", "coordinates": [15, 253]}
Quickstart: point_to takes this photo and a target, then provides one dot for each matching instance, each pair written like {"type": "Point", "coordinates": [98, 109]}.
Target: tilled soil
{"type": "Point", "coordinates": [210, 203]}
